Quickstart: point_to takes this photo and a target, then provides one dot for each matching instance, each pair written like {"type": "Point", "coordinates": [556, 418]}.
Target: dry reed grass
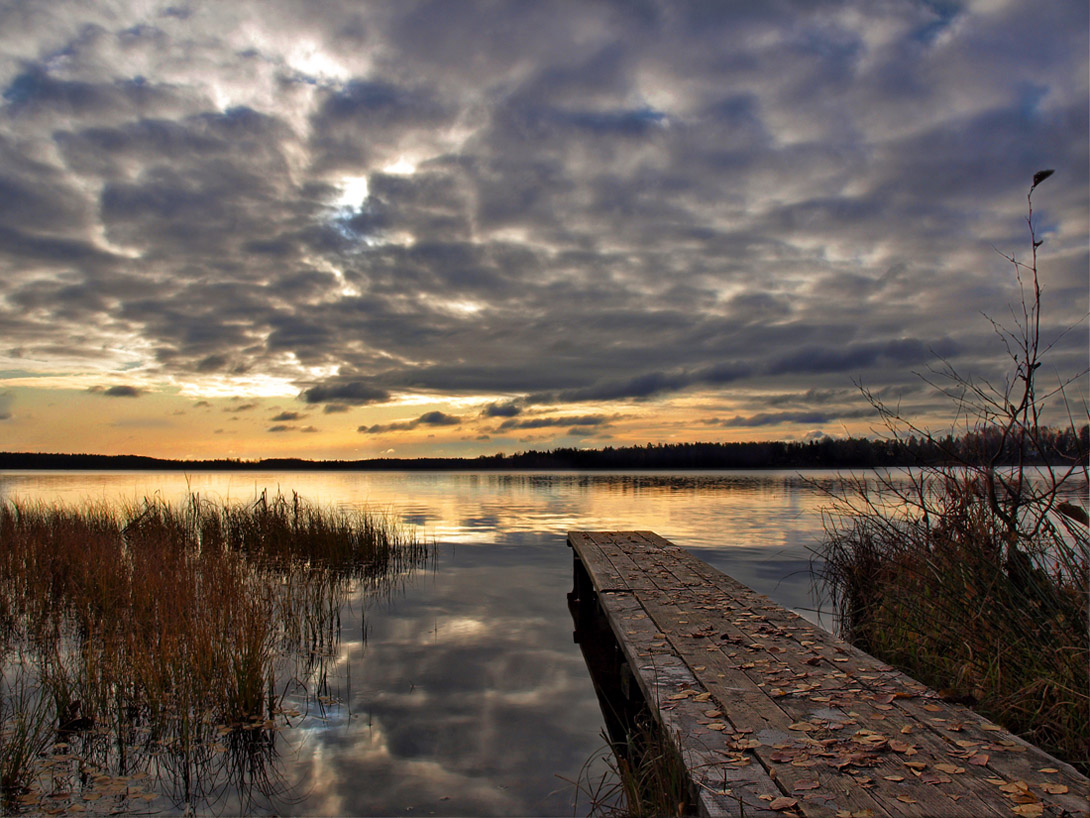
{"type": "Point", "coordinates": [975, 577]}
{"type": "Point", "coordinates": [157, 631]}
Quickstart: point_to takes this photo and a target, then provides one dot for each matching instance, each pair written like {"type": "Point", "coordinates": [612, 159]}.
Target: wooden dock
{"type": "Point", "coordinates": [774, 716]}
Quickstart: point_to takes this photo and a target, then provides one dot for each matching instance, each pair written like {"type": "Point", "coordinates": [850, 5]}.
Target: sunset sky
{"type": "Point", "coordinates": [350, 229]}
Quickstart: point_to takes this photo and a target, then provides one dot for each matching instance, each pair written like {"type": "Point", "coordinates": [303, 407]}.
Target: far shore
{"type": "Point", "coordinates": [820, 453]}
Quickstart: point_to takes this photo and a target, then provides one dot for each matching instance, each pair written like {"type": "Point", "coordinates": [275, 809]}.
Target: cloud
{"type": "Point", "coordinates": [776, 418]}
{"type": "Point", "coordinates": [352, 392]}
{"type": "Point", "coordinates": [546, 422]}
{"type": "Point", "coordinates": [502, 410]}
{"type": "Point", "coordinates": [288, 416]}
{"type": "Point", "coordinates": [740, 200]}
{"type": "Point", "coordinates": [430, 419]}
{"type": "Point", "coordinates": [120, 391]}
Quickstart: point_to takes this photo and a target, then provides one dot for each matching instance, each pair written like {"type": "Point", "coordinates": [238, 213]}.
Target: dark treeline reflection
{"type": "Point", "coordinates": [989, 444]}
{"type": "Point", "coordinates": [157, 652]}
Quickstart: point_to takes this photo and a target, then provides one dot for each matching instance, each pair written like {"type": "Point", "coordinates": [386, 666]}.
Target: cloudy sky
{"type": "Point", "coordinates": [344, 229]}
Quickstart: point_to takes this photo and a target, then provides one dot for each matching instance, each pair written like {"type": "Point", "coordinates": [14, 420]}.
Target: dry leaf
{"type": "Point", "coordinates": [950, 768]}
{"type": "Point", "coordinates": [803, 726]}
{"type": "Point", "coordinates": [907, 799]}
{"type": "Point", "coordinates": [783, 803]}
{"type": "Point", "coordinates": [1048, 770]}
{"type": "Point", "coordinates": [1028, 810]}
{"type": "Point", "coordinates": [806, 785]}
{"type": "Point", "coordinates": [1055, 789]}
{"type": "Point", "coordinates": [979, 760]}
{"type": "Point", "coordinates": [894, 777]}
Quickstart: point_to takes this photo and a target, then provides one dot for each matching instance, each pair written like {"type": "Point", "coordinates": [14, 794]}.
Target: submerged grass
{"type": "Point", "coordinates": [157, 629]}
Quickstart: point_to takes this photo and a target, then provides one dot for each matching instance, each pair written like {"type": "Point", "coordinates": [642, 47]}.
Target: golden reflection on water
{"type": "Point", "coordinates": [697, 509]}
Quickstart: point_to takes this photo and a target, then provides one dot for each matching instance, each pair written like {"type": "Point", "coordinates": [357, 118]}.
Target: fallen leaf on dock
{"type": "Point", "coordinates": [783, 803]}
{"type": "Point", "coordinates": [1054, 789]}
{"type": "Point", "coordinates": [1028, 810]}
{"type": "Point", "coordinates": [949, 768]}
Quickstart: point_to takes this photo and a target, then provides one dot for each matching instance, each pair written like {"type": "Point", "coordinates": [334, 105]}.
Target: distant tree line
{"type": "Point", "coordinates": [1050, 446]}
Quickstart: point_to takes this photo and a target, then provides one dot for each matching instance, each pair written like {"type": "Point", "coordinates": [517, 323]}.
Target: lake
{"type": "Point", "coordinates": [461, 691]}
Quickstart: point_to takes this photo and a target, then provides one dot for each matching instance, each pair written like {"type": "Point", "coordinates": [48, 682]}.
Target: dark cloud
{"type": "Point", "coordinates": [353, 392]}
{"type": "Point", "coordinates": [427, 419]}
{"type": "Point", "coordinates": [502, 410]}
{"type": "Point", "coordinates": [120, 391]}
{"type": "Point", "coordinates": [776, 418]}
{"type": "Point", "coordinates": [536, 203]}
{"type": "Point", "coordinates": [282, 416]}
{"type": "Point", "coordinates": [545, 422]}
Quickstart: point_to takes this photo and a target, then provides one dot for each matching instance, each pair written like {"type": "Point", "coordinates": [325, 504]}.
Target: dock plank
{"type": "Point", "coordinates": [805, 716]}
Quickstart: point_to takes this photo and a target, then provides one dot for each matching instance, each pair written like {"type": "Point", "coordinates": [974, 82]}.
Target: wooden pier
{"type": "Point", "coordinates": [774, 716]}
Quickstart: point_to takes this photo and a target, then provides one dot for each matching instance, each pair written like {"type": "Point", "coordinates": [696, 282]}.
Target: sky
{"type": "Point", "coordinates": [351, 230]}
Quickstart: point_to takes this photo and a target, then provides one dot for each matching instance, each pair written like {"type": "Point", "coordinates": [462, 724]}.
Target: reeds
{"type": "Point", "coordinates": [644, 776]}
{"type": "Point", "coordinates": [925, 578]}
{"type": "Point", "coordinates": [975, 577]}
{"type": "Point", "coordinates": [154, 631]}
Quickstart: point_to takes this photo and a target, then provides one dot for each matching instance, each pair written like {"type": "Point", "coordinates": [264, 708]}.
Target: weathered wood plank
{"type": "Point", "coordinates": [803, 714]}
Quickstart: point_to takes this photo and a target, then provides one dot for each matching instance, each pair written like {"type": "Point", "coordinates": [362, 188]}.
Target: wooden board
{"type": "Point", "coordinates": [767, 708]}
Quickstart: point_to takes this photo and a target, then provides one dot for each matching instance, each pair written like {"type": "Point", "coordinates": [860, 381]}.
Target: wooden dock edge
{"type": "Point", "coordinates": [774, 716]}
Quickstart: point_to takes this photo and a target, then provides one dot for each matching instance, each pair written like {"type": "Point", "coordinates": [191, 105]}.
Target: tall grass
{"type": "Point", "coordinates": [926, 583]}
{"type": "Point", "coordinates": [155, 631]}
{"type": "Point", "coordinates": [644, 776]}
{"type": "Point", "coordinates": [975, 577]}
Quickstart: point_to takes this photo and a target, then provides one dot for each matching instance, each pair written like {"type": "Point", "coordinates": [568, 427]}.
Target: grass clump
{"type": "Point", "coordinates": [936, 589]}
{"type": "Point", "coordinates": [644, 776]}
{"type": "Point", "coordinates": [974, 576]}
{"type": "Point", "coordinates": [147, 634]}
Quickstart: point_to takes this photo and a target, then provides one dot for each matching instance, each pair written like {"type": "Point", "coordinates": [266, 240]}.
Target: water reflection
{"type": "Point", "coordinates": [462, 692]}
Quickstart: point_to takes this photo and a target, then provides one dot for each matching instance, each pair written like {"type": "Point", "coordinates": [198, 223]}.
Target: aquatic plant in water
{"type": "Point", "coordinates": [147, 651]}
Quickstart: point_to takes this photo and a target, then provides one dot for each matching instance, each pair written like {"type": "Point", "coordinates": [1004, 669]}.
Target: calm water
{"type": "Point", "coordinates": [462, 693]}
